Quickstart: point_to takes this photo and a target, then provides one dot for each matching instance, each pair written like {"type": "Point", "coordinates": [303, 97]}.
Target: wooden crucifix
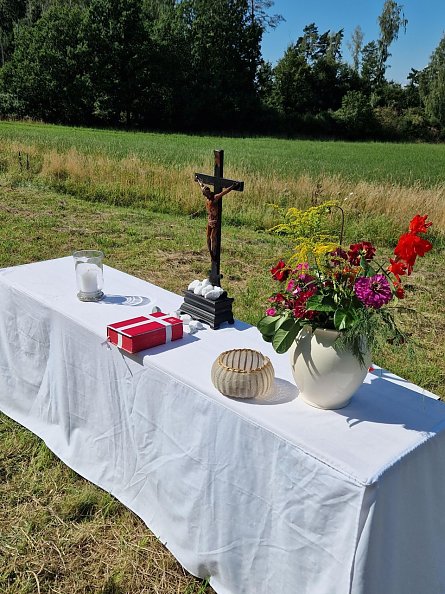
{"type": "Point", "coordinates": [221, 187]}
{"type": "Point", "coordinates": [213, 312]}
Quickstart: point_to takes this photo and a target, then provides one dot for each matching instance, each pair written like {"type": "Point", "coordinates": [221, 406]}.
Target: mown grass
{"type": "Point", "coordinates": [60, 533]}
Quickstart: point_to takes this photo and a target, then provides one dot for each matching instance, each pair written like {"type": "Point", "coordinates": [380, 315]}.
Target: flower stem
{"type": "Point", "coordinates": [342, 228]}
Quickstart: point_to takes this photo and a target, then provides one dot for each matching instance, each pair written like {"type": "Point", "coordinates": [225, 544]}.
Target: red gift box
{"type": "Point", "coordinates": [144, 332]}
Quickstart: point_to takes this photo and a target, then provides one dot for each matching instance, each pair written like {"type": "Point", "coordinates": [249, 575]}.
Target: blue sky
{"type": "Point", "coordinates": [426, 26]}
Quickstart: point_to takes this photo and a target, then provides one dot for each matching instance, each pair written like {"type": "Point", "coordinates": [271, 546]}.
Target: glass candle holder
{"type": "Point", "coordinates": [89, 274]}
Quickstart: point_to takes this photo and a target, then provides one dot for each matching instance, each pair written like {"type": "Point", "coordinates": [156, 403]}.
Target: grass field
{"type": "Point", "coordinates": [403, 164]}
{"type": "Point", "coordinates": [59, 533]}
{"type": "Point", "coordinates": [156, 171]}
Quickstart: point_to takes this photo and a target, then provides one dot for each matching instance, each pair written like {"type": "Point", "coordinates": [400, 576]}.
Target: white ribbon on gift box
{"type": "Point", "coordinates": [161, 320]}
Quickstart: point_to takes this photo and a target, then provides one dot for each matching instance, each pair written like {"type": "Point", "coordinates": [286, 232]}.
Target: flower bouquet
{"type": "Point", "coordinates": [344, 290]}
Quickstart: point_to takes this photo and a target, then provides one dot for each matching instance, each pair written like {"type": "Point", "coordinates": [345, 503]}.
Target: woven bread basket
{"type": "Point", "coordinates": [243, 373]}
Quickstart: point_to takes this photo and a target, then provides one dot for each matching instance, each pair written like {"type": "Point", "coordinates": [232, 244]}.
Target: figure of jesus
{"type": "Point", "coordinates": [212, 200]}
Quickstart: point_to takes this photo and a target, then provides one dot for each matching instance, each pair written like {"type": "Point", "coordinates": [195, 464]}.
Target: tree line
{"type": "Point", "coordinates": [196, 65]}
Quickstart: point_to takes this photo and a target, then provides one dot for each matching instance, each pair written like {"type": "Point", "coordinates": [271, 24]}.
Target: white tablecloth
{"type": "Point", "coordinates": [263, 496]}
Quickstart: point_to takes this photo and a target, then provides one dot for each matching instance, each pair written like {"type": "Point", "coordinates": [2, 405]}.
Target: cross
{"type": "Point", "coordinates": [219, 184]}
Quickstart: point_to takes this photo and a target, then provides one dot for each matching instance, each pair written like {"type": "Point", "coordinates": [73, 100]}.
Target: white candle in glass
{"type": "Point", "coordinates": [88, 278]}
{"type": "Point", "coordinates": [89, 275]}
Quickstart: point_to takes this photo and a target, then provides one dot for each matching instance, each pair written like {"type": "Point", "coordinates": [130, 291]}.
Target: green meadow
{"type": "Point", "coordinates": [404, 164]}
{"type": "Point", "coordinates": [380, 185]}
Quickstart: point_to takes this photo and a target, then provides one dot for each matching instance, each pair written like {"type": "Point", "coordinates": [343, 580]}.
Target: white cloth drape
{"type": "Point", "coordinates": [263, 496]}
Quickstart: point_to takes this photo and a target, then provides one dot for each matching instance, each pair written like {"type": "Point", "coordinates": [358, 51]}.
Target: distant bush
{"type": "Point", "coordinates": [415, 124]}
{"type": "Point", "coordinates": [356, 118]}
{"type": "Point", "coordinates": [11, 106]}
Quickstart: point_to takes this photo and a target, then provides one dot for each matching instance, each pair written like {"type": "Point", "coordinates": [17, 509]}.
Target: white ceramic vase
{"type": "Point", "coordinates": [327, 376]}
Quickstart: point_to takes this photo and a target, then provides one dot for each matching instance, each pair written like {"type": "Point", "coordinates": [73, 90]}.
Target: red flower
{"type": "Point", "coordinates": [299, 311]}
{"type": "Point", "coordinates": [418, 224]}
{"type": "Point", "coordinates": [280, 272]}
{"type": "Point", "coordinates": [409, 247]}
{"type": "Point", "coordinates": [277, 298]}
{"type": "Point", "coordinates": [398, 268]}
{"type": "Point", "coordinates": [400, 292]}
{"type": "Point", "coordinates": [299, 305]}
{"type": "Point", "coordinates": [338, 256]}
{"type": "Point", "coordinates": [357, 250]}
{"type": "Point", "coordinates": [349, 273]}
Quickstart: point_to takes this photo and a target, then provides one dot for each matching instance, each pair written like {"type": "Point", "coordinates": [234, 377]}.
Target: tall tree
{"type": "Point", "coordinates": [121, 58]}
{"type": "Point", "coordinates": [432, 85]}
{"type": "Point", "coordinates": [391, 20]}
{"type": "Point", "coordinates": [294, 85]}
{"type": "Point", "coordinates": [170, 84]}
{"type": "Point", "coordinates": [412, 91]}
{"type": "Point", "coordinates": [259, 14]}
{"type": "Point", "coordinates": [11, 12]}
{"type": "Point", "coordinates": [14, 13]}
{"type": "Point", "coordinates": [46, 74]}
{"type": "Point", "coordinates": [355, 46]}
{"type": "Point", "coordinates": [36, 8]}
{"type": "Point", "coordinates": [311, 77]}
{"type": "Point", "coordinates": [330, 75]}
{"type": "Point", "coordinates": [370, 70]}
{"type": "Point", "coordinates": [308, 44]}
{"type": "Point", "coordinates": [224, 60]}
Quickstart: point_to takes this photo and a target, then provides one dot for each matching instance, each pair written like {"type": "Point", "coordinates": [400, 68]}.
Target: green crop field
{"type": "Point", "coordinates": [404, 164]}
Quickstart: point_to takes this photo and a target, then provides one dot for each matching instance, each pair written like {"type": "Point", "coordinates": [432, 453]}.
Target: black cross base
{"type": "Point", "coordinates": [205, 310]}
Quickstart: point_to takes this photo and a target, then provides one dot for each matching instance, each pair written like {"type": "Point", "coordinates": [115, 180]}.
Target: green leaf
{"type": "Point", "coordinates": [284, 319]}
{"type": "Point", "coordinates": [267, 337]}
{"type": "Point", "coordinates": [320, 303]}
{"type": "Point", "coordinates": [364, 264]}
{"type": "Point", "coordinates": [285, 335]}
{"type": "Point", "coordinates": [343, 318]}
{"type": "Point", "coordinates": [267, 325]}
{"type": "Point", "coordinates": [368, 269]}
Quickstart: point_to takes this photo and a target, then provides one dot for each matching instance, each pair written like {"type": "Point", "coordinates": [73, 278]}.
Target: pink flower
{"type": "Point", "coordinates": [306, 279]}
{"type": "Point", "coordinates": [302, 267]}
{"type": "Point", "coordinates": [291, 285]}
{"type": "Point", "coordinates": [271, 311]}
{"type": "Point", "coordinates": [373, 291]}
